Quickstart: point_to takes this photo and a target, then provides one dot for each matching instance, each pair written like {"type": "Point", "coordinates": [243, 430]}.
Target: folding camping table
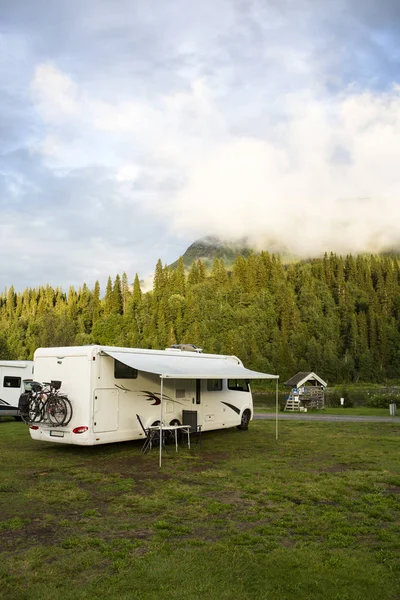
{"type": "Point", "coordinates": [185, 428]}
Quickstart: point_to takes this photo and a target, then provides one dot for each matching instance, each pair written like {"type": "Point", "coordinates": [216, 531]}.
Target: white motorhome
{"type": "Point", "coordinates": [13, 373]}
{"type": "Point", "coordinates": [110, 389]}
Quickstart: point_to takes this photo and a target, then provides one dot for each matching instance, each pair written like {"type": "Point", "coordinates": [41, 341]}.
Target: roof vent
{"type": "Point", "coordinates": [185, 348]}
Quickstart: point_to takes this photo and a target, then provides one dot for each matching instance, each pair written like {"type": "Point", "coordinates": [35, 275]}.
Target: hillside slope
{"type": "Point", "coordinates": [211, 247]}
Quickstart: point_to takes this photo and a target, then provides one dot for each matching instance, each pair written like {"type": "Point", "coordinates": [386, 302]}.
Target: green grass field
{"type": "Point", "coordinates": [359, 411]}
{"type": "Point", "coordinates": [314, 515]}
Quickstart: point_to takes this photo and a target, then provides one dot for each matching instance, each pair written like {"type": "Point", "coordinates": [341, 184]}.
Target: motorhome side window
{"type": "Point", "coordinates": [239, 385]}
{"type": "Point", "coordinates": [12, 382]}
{"type": "Point", "coordinates": [122, 371]}
{"type": "Point", "coordinates": [214, 385]}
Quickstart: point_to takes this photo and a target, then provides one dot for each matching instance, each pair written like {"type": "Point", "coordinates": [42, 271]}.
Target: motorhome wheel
{"type": "Point", "coordinates": [244, 423]}
{"type": "Point", "coordinates": [156, 434]}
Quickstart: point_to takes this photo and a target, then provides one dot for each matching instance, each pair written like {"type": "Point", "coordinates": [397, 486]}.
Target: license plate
{"type": "Point", "coordinates": [57, 433]}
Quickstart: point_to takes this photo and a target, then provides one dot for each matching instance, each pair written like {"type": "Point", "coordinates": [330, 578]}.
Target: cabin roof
{"type": "Point", "coordinates": [300, 379]}
{"type": "Point", "coordinates": [17, 364]}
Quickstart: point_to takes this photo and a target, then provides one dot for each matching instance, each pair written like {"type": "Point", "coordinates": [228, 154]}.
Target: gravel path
{"type": "Point", "coordinates": [329, 418]}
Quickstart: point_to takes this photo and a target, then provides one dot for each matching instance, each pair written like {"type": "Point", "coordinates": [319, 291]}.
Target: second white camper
{"type": "Point", "coordinates": [112, 390]}
{"type": "Point", "coordinates": [13, 373]}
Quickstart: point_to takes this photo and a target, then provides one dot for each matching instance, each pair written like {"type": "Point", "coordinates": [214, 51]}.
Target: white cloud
{"type": "Point", "coordinates": [316, 179]}
{"type": "Point", "coordinates": [296, 190]}
{"type": "Point", "coordinates": [80, 129]}
{"type": "Point", "coordinates": [127, 173]}
{"type": "Point", "coordinates": [126, 117]}
{"type": "Point", "coordinates": [55, 94]}
{"type": "Point", "coordinates": [50, 146]}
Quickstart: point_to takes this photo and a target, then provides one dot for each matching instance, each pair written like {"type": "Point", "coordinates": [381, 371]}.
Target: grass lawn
{"type": "Point", "coordinates": [314, 515]}
{"type": "Point", "coordinates": [365, 411]}
{"type": "Point", "coordinates": [361, 411]}
{"type": "Point", "coordinates": [365, 386]}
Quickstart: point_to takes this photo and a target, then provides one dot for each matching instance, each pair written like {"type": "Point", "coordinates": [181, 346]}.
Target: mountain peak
{"type": "Point", "coordinates": [210, 247]}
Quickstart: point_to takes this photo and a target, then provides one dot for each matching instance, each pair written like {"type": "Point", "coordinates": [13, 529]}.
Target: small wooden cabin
{"type": "Point", "coordinates": [307, 391]}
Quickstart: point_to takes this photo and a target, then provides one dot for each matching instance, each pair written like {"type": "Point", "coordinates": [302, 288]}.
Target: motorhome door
{"type": "Point", "coordinates": [111, 374]}
{"type": "Point", "coordinates": [105, 413]}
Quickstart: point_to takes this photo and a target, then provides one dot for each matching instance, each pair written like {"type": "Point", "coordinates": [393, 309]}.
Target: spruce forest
{"type": "Point", "coordinates": [337, 316]}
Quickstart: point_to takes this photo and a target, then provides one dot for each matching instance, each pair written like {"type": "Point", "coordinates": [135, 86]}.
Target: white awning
{"type": "Point", "coordinates": [182, 366]}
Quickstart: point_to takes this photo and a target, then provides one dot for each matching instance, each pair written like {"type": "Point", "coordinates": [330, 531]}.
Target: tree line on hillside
{"type": "Point", "coordinates": [337, 316]}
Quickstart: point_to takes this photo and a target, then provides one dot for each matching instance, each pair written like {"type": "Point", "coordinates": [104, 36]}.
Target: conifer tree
{"type": "Point", "coordinates": [171, 337]}
{"type": "Point", "coordinates": [96, 304]}
{"type": "Point", "coordinates": [239, 273]}
{"type": "Point", "coordinates": [193, 277]}
{"type": "Point", "coordinates": [84, 309]}
{"type": "Point", "coordinates": [202, 271]}
{"type": "Point", "coordinates": [136, 294]}
{"type": "Point", "coordinates": [159, 282]}
{"type": "Point", "coordinates": [179, 279]}
{"type": "Point", "coordinates": [116, 302]}
{"type": "Point", "coordinates": [72, 304]}
{"type": "Point", "coordinates": [108, 299]}
{"type": "Point", "coordinates": [11, 302]}
{"type": "Point", "coordinates": [125, 292]}
{"type": "Point", "coordinates": [218, 273]}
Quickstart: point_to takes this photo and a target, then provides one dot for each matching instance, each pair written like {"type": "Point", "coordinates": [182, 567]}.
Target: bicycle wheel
{"type": "Point", "coordinates": [68, 406]}
{"type": "Point", "coordinates": [35, 410]}
{"type": "Point", "coordinates": [58, 410]}
{"type": "Point", "coordinates": [23, 407]}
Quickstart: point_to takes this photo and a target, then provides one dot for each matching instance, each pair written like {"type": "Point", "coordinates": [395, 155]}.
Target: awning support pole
{"type": "Point", "coordinates": [276, 411]}
{"type": "Point", "coordinates": [161, 416]}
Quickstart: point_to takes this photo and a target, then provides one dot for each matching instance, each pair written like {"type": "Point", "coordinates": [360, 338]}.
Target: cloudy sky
{"type": "Point", "coordinates": [129, 128]}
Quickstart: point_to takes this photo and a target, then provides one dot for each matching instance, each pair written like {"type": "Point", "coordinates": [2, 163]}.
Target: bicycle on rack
{"type": "Point", "coordinates": [29, 402]}
{"type": "Point", "coordinates": [42, 403]}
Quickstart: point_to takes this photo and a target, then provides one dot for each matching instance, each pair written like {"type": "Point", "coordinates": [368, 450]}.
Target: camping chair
{"type": "Point", "coordinates": [189, 417]}
{"type": "Point", "coordinates": [148, 443]}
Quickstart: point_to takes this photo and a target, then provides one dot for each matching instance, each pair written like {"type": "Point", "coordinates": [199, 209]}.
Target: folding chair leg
{"type": "Point", "coordinates": [146, 446]}
{"type": "Point", "coordinates": [164, 437]}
